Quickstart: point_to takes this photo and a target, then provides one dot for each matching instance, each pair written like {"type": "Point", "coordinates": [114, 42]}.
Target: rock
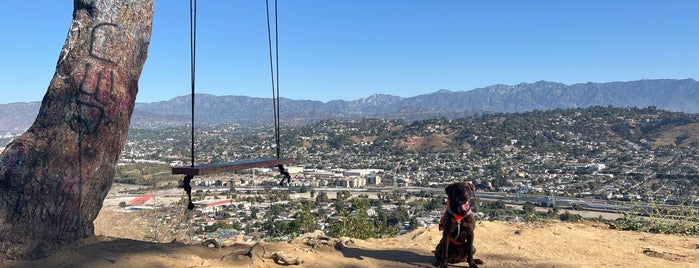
{"type": "Point", "coordinates": [315, 239]}
{"type": "Point", "coordinates": [346, 240]}
{"type": "Point", "coordinates": [257, 250]}
{"type": "Point", "coordinates": [342, 242]}
{"type": "Point", "coordinates": [211, 243]}
{"type": "Point", "coordinates": [285, 259]}
{"type": "Point", "coordinates": [237, 252]}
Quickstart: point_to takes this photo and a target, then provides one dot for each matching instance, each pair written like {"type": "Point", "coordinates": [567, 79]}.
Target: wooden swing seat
{"type": "Point", "coordinates": [230, 166]}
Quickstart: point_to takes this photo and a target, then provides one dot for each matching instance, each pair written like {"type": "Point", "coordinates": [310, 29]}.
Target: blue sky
{"type": "Point", "coordinates": [337, 49]}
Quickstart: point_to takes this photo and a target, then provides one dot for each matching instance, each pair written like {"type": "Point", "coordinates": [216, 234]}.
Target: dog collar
{"type": "Point", "coordinates": [458, 219]}
{"type": "Point", "coordinates": [457, 216]}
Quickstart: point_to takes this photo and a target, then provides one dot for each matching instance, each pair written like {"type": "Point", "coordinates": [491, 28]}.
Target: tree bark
{"type": "Point", "coordinates": [55, 176]}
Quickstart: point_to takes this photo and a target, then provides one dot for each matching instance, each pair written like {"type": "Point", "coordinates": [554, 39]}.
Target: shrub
{"type": "Point", "coordinates": [570, 217]}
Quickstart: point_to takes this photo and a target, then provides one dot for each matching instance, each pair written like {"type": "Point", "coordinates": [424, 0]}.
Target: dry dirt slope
{"type": "Point", "coordinates": [500, 244]}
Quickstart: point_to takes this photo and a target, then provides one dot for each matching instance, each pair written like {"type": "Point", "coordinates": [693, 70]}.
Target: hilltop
{"type": "Point", "coordinates": [499, 244]}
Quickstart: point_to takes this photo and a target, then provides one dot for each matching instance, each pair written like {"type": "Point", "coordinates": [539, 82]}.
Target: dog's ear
{"type": "Point", "coordinates": [470, 185]}
{"type": "Point", "coordinates": [448, 189]}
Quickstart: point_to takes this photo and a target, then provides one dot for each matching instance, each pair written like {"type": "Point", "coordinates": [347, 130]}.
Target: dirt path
{"type": "Point", "coordinates": [499, 244]}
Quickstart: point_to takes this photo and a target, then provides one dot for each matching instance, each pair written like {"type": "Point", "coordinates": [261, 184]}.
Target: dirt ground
{"type": "Point", "coordinates": [499, 244]}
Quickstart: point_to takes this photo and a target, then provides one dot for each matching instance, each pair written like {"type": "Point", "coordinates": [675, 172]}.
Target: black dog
{"type": "Point", "coordinates": [457, 226]}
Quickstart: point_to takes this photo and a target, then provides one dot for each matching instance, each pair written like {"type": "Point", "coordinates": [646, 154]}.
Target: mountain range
{"type": "Point", "coordinates": [667, 94]}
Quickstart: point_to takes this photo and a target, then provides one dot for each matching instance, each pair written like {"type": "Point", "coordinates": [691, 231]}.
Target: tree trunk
{"type": "Point", "coordinates": [55, 176]}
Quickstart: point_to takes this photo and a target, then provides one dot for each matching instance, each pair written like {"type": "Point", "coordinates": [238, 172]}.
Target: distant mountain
{"type": "Point", "coordinates": [17, 117]}
{"type": "Point", "coordinates": [667, 94]}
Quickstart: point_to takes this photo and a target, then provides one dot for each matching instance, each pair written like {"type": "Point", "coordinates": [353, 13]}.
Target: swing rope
{"type": "Point", "coordinates": [274, 63]}
{"type": "Point", "coordinates": [226, 167]}
{"type": "Point", "coordinates": [192, 58]}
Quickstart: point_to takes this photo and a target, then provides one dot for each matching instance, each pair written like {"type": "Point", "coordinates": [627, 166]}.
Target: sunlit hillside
{"type": "Point", "coordinates": [499, 244]}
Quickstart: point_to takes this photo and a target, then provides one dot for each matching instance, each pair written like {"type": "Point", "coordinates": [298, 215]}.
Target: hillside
{"type": "Point", "coordinates": [499, 244]}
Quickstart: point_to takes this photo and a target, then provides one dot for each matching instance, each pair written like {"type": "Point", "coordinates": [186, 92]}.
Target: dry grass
{"type": "Point", "coordinates": [433, 143]}
{"type": "Point", "coordinates": [669, 137]}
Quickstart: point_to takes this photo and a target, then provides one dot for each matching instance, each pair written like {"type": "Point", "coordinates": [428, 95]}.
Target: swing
{"type": "Point", "coordinates": [230, 166]}
{"type": "Point", "coordinates": [278, 162]}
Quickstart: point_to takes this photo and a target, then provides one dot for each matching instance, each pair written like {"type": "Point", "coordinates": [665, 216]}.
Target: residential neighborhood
{"type": "Point", "coordinates": [596, 162]}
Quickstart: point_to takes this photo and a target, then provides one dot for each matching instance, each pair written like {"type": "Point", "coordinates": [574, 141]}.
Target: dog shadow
{"type": "Point", "coordinates": [410, 258]}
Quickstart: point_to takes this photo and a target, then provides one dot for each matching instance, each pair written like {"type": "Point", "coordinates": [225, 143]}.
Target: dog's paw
{"type": "Point", "coordinates": [474, 263]}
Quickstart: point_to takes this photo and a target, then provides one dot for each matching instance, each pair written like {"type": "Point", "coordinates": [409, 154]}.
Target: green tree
{"type": "Point", "coordinates": [528, 208]}
{"type": "Point", "coordinates": [282, 227]}
{"type": "Point", "coordinates": [344, 195]}
{"type": "Point", "coordinates": [362, 225]}
{"type": "Point", "coordinates": [358, 226]}
{"type": "Point", "coordinates": [398, 217]}
{"type": "Point", "coordinates": [276, 210]}
{"type": "Point", "coordinates": [342, 226]}
{"type": "Point", "coordinates": [381, 221]}
{"type": "Point", "coordinates": [253, 212]}
{"type": "Point", "coordinates": [498, 205]}
{"type": "Point", "coordinates": [322, 197]}
{"type": "Point", "coordinates": [339, 204]}
{"type": "Point", "coordinates": [383, 228]}
{"type": "Point", "coordinates": [236, 225]}
{"type": "Point", "coordinates": [529, 211]}
{"type": "Point", "coordinates": [305, 220]}
{"type": "Point", "coordinates": [216, 226]}
{"type": "Point", "coordinates": [553, 211]}
{"type": "Point", "coordinates": [293, 227]}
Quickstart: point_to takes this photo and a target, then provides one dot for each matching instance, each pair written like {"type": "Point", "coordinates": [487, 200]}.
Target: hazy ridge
{"type": "Point", "coordinates": [667, 94]}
